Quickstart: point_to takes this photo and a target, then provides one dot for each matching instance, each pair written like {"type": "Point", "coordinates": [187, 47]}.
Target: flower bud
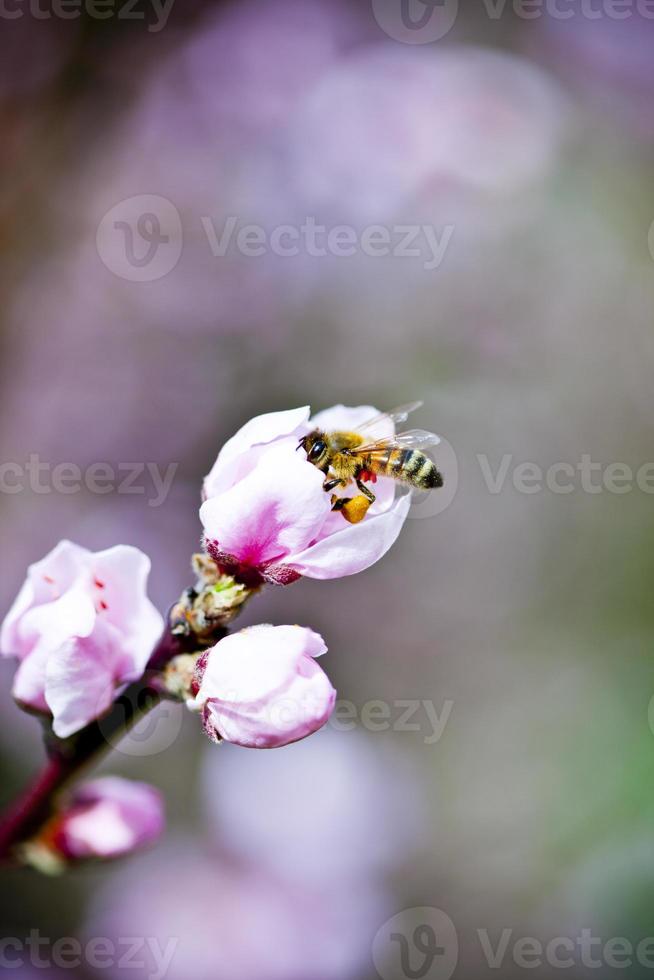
{"type": "Point", "coordinates": [106, 818]}
{"type": "Point", "coordinates": [262, 688]}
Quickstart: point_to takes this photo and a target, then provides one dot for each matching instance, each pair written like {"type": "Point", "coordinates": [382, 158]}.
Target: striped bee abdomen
{"type": "Point", "coordinates": [409, 466]}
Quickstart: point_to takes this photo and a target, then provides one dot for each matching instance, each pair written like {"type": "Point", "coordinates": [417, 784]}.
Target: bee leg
{"type": "Point", "coordinates": [339, 502]}
{"type": "Point", "coordinates": [353, 509]}
{"type": "Point", "coordinates": [366, 491]}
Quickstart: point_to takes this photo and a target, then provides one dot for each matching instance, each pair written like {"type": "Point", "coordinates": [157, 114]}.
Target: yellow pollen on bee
{"type": "Point", "coordinates": [355, 509]}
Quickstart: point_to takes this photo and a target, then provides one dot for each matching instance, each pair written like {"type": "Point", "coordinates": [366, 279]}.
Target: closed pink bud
{"type": "Point", "coordinates": [262, 687]}
{"type": "Point", "coordinates": [106, 818]}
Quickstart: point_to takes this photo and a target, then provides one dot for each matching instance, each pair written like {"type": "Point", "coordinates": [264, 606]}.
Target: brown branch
{"type": "Point", "coordinates": [68, 758]}
{"type": "Point", "coordinates": [197, 621]}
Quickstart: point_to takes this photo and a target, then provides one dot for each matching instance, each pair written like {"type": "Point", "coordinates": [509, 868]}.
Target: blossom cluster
{"type": "Point", "coordinates": [83, 628]}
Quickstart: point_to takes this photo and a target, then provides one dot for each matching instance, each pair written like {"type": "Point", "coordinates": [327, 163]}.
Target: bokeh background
{"type": "Point", "coordinates": [521, 620]}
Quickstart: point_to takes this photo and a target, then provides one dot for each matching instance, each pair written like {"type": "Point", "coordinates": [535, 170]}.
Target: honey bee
{"type": "Point", "coordinates": [352, 456]}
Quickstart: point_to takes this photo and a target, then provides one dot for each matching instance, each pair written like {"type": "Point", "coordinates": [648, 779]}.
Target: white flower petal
{"type": "Point", "coordinates": [259, 431]}
{"type": "Point", "coordinates": [354, 548]}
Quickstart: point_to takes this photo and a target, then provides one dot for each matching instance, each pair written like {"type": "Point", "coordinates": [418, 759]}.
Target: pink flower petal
{"type": "Point", "coordinates": [47, 580]}
{"type": "Point", "coordinates": [299, 710]}
{"type": "Point", "coordinates": [9, 641]}
{"type": "Point", "coordinates": [73, 614]}
{"type": "Point", "coordinates": [256, 661]}
{"type": "Point", "coordinates": [259, 431]}
{"type": "Point", "coordinates": [279, 508]}
{"type": "Point", "coordinates": [39, 633]}
{"type": "Point", "coordinates": [120, 575]}
{"type": "Point", "coordinates": [29, 679]}
{"type": "Point", "coordinates": [57, 572]}
{"type": "Point", "coordinates": [80, 682]}
{"type": "Point", "coordinates": [354, 548]}
{"type": "Point", "coordinates": [341, 417]}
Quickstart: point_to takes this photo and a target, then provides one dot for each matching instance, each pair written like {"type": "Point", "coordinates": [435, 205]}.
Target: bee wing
{"type": "Point", "coordinates": [417, 439]}
{"type": "Point", "coordinates": [396, 415]}
{"type": "Point", "coordinates": [412, 439]}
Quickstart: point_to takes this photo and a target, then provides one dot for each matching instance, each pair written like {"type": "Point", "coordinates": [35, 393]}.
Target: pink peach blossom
{"type": "Point", "coordinates": [109, 817]}
{"type": "Point", "coordinates": [81, 626]}
{"type": "Point", "coordinates": [262, 688]}
{"type": "Point", "coordinates": [269, 810]}
{"type": "Point", "coordinates": [225, 920]}
{"type": "Point", "coordinates": [265, 509]}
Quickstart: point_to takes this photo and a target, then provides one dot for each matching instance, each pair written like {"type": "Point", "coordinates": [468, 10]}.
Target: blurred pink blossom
{"type": "Point", "coordinates": [212, 919]}
{"type": "Point", "coordinates": [109, 817]}
{"type": "Point", "coordinates": [248, 67]}
{"type": "Point", "coordinates": [391, 125]}
{"type": "Point", "coordinates": [265, 508]}
{"type": "Point", "coordinates": [272, 811]}
{"type": "Point", "coordinates": [81, 626]}
{"type": "Point", "coordinates": [69, 310]}
{"type": "Point", "coordinates": [262, 688]}
{"type": "Point", "coordinates": [205, 131]}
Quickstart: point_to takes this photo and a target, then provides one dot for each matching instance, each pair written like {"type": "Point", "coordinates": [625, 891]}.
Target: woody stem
{"type": "Point", "coordinates": [68, 758]}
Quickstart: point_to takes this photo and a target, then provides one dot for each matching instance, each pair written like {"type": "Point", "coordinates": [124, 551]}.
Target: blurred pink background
{"type": "Point", "coordinates": [523, 318]}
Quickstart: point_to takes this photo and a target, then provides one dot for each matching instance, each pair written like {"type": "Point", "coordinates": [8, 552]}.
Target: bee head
{"type": "Point", "coordinates": [314, 446]}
